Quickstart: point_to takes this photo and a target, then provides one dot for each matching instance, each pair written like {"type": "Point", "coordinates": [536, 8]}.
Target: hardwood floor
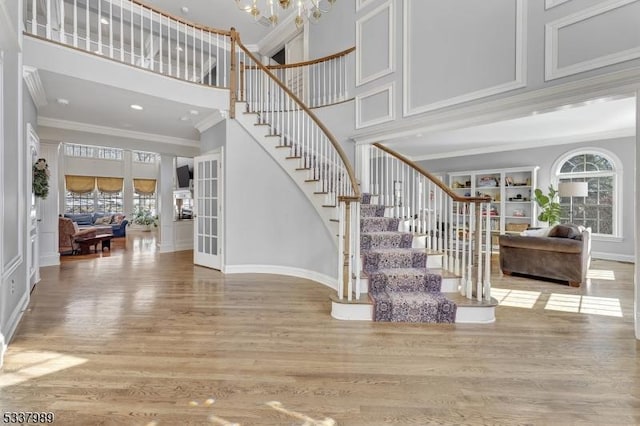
{"type": "Point", "coordinates": [135, 337]}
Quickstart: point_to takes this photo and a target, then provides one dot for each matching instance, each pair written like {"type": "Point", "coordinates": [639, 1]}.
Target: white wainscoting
{"type": "Point", "coordinates": [375, 43]}
{"type": "Point", "coordinates": [375, 106]}
{"type": "Point", "coordinates": [625, 13]}
{"type": "Point", "coordinates": [502, 65]}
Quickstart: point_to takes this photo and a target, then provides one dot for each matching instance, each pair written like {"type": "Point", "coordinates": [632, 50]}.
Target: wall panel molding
{"type": "Point", "coordinates": [519, 81]}
{"type": "Point", "coordinates": [552, 50]}
{"type": "Point", "coordinates": [390, 115]}
{"type": "Point", "coordinates": [361, 77]}
{"type": "Point", "coordinates": [360, 4]}
{"type": "Point", "coordinates": [548, 4]}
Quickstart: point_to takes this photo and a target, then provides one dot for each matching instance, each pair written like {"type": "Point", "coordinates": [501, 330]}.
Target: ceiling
{"type": "Point", "coordinates": [593, 120]}
{"type": "Point", "coordinates": [101, 105]}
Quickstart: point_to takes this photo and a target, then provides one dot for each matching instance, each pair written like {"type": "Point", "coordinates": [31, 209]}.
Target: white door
{"type": "Point", "coordinates": [207, 242]}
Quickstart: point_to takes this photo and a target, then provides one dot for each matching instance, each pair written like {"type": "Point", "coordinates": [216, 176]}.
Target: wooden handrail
{"type": "Point", "coordinates": [330, 136]}
{"type": "Point", "coordinates": [432, 178]}
{"type": "Point", "coordinates": [181, 20]}
{"type": "Point", "coordinates": [313, 61]}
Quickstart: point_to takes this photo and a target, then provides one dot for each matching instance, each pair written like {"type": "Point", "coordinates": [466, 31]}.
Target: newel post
{"type": "Point", "coordinates": [346, 279]}
{"type": "Point", "coordinates": [233, 77]}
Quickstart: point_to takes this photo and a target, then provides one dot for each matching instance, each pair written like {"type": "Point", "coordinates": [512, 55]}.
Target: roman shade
{"type": "Point", "coordinates": [109, 185]}
{"type": "Point", "coordinates": [144, 186]}
{"type": "Point", "coordinates": [80, 184]}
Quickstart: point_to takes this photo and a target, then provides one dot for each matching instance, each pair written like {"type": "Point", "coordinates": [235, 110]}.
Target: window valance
{"type": "Point", "coordinates": [80, 184]}
{"type": "Point", "coordinates": [144, 186]}
{"type": "Point", "coordinates": [109, 184]}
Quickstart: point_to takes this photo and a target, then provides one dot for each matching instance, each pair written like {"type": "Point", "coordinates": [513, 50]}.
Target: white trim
{"type": "Point", "coordinates": [360, 79]}
{"type": "Point", "coordinates": [112, 131]}
{"type": "Point", "coordinates": [548, 4]}
{"type": "Point", "coordinates": [7, 27]}
{"type": "Point", "coordinates": [16, 315]}
{"type": "Point", "coordinates": [613, 256]}
{"type": "Point", "coordinates": [619, 83]}
{"type": "Point", "coordinates": [34, 84]}
{"type": "Point", "coordinates": [520, 80]}
{"type": "Point", "coordinates": [283, 270]}
{"type": "Point", "coordinates": [597, 136]}
{"type": "Point", "coordinates": [475, 314]}
{"type": "Point", "coordinates": [3, 349]}
{"type": "Point", "coordinates": [360, 4]}
{"type": "Point", "coordinates": [551, 49]}
{"type": "Point", "coordinates": [391, 114]}
{"type": "Point", "coordinates": [618, 180]}
{"type": "Point", "coordinates": [275, 39]}
{"type": "Point", "coordinates": [352, 311]}
{"type": "Point", "coordinates": [211, 120]}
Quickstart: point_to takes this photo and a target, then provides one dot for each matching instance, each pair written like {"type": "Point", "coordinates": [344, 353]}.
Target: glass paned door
{"type": "Point", "coordinates": [207, 187]}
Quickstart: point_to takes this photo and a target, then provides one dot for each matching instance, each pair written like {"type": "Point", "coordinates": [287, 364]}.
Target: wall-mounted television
{"type": "Point", "coordinates": [184, 175]}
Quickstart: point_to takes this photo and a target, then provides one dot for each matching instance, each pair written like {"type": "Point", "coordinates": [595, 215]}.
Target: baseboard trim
{"type": "Point", "coordinates": [613, 256]}
{"type": "Point", "coordinates": [283, 270]}
{"type": "Point", "coordinates": [50, 260]}
{"type": "Point", "coordinates": [13, 322]}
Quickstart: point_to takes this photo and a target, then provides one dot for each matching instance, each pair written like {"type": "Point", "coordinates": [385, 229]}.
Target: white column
{"type": "Point", "coordinates": [637, 265]}
{"type": "Point", "coordinates": [127, 194]}
{"type": "Point", "coordinates": [165, 203]}
{"type": "Point", "coordinates": [48, 210]}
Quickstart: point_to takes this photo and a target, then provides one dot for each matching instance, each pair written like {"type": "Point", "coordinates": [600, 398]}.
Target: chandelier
{"type": "Point", "coordinates": [267, 12]}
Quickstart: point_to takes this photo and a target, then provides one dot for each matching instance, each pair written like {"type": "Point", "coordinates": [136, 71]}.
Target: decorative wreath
{"type": "Point", "coordinates": [41, 178]}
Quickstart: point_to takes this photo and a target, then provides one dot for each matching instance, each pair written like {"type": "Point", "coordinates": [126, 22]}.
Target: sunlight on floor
{"type": "Point", "coordinates": [515, 298]}
{"type": "Point", "coordinates": [35, 364]}
{"type": "Point", "coordinates": [584, 304]}
{"type": "Point", "coordinates": [601, 274]}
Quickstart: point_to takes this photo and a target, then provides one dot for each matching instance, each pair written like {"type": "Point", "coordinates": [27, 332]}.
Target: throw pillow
{"type": "Point", "coordinates": [106, 220]}
{"type": "Point", "coordinates": [540, 232]}
{"type": "Point", "coordinates": [117, 219]}
{"type": "Point", "coordinates": [565, 231]}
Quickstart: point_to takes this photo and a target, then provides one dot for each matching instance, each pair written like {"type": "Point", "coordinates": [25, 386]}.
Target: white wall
{"type": "Point", "coordinates": [624, 149]}
{"type": "Point", "coordinates": [214, 137]}
{"type": "Point", "coordinates": [14, 285]}
{"type": "Point", "coordinates": [269, 223]}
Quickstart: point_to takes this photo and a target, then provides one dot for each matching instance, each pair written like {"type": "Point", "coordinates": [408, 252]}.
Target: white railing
{"type": "Point", "coordinates": [321, 82]}
{"type": "Point", "coordinates": [133, 33]}
{"type": "Point", "coordinates": [296, 127]}
{"type": "Point", "coordinates": [458, 227]}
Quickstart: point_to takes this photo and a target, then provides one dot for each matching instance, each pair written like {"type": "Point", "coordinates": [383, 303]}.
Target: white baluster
{"type": "Point", "coordinates": [142, 55]}
{"type": "Point", "coordinates": [152, 53]}
{"type": "Point", "coordinates": [169, 64]}
{"type": "Point", "coordinates": [99, 50]}
{"type": "Point", "coordinates": [132, 47]}
{"type": "Point", "coordinates": [487, 261]}
{"type": "Point", "coordinates": [48, 27]}
{"type": "Point", "coordinates": [87, 28]}
{"type": "Point", "coordinates": [75, 23]}
{"type": "Point", "coordinates": [34, 17]}
{"type": "Point", "coordinates": [121, 31]}
{"type": "Point", "coordinates": [63, 38]}
{"type": "Point", "coordinates": [161, 43]}
{"type": "Point", "coordinates": [111, 29]}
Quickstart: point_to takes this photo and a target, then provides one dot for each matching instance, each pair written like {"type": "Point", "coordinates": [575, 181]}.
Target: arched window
{"type": "Point", "coordinates": [599, 209]}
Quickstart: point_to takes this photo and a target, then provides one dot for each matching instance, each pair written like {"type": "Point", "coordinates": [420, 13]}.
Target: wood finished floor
{"type": "Point", "coordinates": [134, 337]}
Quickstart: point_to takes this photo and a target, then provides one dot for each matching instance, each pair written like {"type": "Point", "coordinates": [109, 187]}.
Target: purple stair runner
{"type": "Point", "coordinates": [401, 286]}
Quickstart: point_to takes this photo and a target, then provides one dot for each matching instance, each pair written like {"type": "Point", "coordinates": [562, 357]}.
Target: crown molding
{"type": "Point", "coordinates": [281, 34]}
{"type": "Point", "coordinates": [210, 121]}
{"type": "Point", "coordinates": [112, 131]}
{"type": "Point", "coordinates": [624, 82]}
{"type": "Point", "coordinates": [34, 84]}
{"type": "Point", "coordinates": [564, 140]}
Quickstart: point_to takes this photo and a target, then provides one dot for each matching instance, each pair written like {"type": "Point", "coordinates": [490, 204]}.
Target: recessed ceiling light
{"type": "Point", "coordinates": [184, 9]}
{"type": "Point", "coordinates": [104, 21]}
{"type": "Point", "coordinates": [179, 49]}
{"type": "Point", "coordinates": [194, 112]}
{"type": "Point", "coordinates": [184, 118]}
{"type": "Point", "coordinates": [136, 107]}
{"type": "Point", "coordinates": [62, 101]}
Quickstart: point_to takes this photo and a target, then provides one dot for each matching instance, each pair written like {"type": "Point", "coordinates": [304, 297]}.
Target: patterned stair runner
{"type": "Point", "coordinates": [402, 288]}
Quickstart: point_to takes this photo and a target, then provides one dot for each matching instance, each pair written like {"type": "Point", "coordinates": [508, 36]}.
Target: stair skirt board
{"type": "Point", "coordinates": [359, 311]}
{"type": "Point", "coordinates": [290, 271]}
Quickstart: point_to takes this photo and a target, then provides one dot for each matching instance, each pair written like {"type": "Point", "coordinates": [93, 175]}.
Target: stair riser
{"type": "Point", "coordinates": [373, 261]}
{"type": "Point", "coordinates": [380, 282]}
{"type": "Point", "coordinates": [373, 241]}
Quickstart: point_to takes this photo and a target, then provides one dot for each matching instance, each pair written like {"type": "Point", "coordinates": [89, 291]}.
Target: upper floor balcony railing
{"type": "Point", "coordinates": [133, 33]}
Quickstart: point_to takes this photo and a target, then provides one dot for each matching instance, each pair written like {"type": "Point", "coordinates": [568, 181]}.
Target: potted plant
{"type": "Point", "coordinates": [549, 206]}
{"type": "Point", "coordinates": [145, 218]}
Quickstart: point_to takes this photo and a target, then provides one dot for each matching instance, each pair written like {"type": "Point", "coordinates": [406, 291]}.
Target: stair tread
{"type": "Point", "coordinates": [462, 301]}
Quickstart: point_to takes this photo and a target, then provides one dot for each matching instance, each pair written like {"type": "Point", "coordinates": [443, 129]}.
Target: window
{"type": "Point", "coordinates": [110, 202]}
{"type": "Point", "coordinates": [144, 157]}
{"type": "Point", "coordinates": [144, 202]}
{"type": "Point", "coordinates": [599, 210]}
{"type": "Point", "coordinates": [79, 203]}
{"type": "Point", "coordinates": [75, 150]}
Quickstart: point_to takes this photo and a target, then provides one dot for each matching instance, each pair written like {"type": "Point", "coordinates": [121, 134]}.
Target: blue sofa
{"type": "Point", "coordinates": [89, 219]}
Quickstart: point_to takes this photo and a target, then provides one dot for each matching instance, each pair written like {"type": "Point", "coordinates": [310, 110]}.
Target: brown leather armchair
{"type": "Point", "coordinates": [68, 231]}
{"type": "Point", "coordinates": [564, 255]}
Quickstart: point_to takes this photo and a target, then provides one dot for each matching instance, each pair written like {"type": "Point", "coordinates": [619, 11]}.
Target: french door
{"type": "Point", "coordinates": [207, 180]}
